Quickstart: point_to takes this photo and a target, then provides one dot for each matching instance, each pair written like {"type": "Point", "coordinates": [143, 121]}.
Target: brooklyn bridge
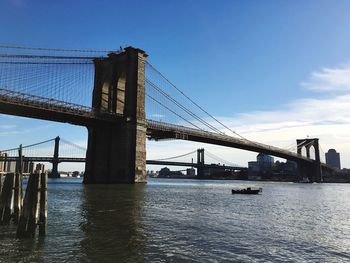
{"type": "Point", "coordinates": [122, 100]}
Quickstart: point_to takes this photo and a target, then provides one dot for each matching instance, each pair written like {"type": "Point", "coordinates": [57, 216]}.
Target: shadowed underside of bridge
{"type": "Point", "coordinates": [28, 107]}
{"type": "Point", "coordinates": [116, 119]}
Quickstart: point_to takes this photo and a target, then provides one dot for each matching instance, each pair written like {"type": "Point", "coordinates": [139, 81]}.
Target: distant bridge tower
{"type": "Point", "coordinates": [116, 151]}
{"type": "Point", "coordinates": [200, 162]}
{"type": "Point", "coordinates": [55, 160]}
{"type": "Point", "coordinates": [312, 171]}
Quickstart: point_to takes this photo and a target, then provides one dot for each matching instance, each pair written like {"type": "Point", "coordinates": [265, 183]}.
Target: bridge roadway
{"type": "Point", "coordinates": [160, 130]}
{"type": "Point", "coordinates": [151, 162]}
{"type": "Point", "coordinates": [26, 105]}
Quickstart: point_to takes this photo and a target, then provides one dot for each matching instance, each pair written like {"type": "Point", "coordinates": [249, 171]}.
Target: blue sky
{"type": "Point", "coordinates": [273, 70]}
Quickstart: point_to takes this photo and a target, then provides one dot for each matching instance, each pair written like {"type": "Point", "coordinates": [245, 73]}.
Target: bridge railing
{"type": "Point", "coordinates": [19, 98]}
{"type": "Point", "coordinates": [10, 96]}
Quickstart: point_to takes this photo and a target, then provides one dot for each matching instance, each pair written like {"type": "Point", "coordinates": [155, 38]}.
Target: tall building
{"type": "Point", "coordinates": [264, 160]}
{"type": "Point", "coordinates": [333, 158]}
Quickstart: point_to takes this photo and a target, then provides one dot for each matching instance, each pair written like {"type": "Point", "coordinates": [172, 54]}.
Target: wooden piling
{"type": "Point", "coordinates": [17, 200]}
{"type": "Point", "coordinates": [43, 204]}
{"type": "Point", "coordinates": [1, 183]}
{"type": "Point", "coordinates": [19, 163]}
{"type": "Point", "coordinates": [29, 218]}
{"type": "Point", "coordinates": [7, 198]}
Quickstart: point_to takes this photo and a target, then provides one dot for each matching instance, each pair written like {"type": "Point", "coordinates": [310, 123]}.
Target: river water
{"type": "Point", "coordinates": [173, 220]}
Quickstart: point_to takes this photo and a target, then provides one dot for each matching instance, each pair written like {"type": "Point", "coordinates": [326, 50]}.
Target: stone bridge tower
{"type": "Point", "coordinates": [313, 170]}
{"type": "Point", "coordinates": [117, 150]}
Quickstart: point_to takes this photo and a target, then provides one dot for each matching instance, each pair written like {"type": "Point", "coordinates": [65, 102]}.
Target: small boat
{"type": "Point", "coordinates": [247, 191]}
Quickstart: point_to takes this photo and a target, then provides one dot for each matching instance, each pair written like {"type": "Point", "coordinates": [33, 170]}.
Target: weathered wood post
{"type": "Point", "coordinates": [19, 164]}
{"type": "Point", "coordinates": [7, 199]}
{"type": "Point", "coordinates": [29, 218]}
{"type": "Point", "coordinates": [1, 180]}
{"type": "Point", "coordinates": [17, 198]}
{"type": "Point", "coordinates": [43, 204]}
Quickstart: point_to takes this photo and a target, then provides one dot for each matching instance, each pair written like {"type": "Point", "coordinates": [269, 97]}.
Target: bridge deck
{"type": "Point", "coordinates": [159, 130]}
{"type": "Point", "coordinates": [26, 105]}
{"type": "Point", "coordinates": [32, 106]}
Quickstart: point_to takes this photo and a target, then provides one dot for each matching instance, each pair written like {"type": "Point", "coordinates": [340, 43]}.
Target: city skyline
{"type": "Point", "coordinates": [274, 81]}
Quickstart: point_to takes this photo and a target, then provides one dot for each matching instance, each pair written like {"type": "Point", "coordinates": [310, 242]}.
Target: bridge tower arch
{"type": "Point", "coordinates": [116, 151]}
{"type": "Point", "coordinates": [313, 170]}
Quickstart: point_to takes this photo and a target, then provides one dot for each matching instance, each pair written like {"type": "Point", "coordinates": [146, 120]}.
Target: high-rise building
{"type": "Point", "coordinates": [264, 161]}
{"type": "Point", "coordinates": [333, 158]}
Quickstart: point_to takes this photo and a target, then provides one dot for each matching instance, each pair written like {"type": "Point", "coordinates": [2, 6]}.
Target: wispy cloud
{"type": "Point", "coordinates": [327, 119]}
{"type": "Point", "coordinates": [13, 129]}
{"type": "Point", "coordinates": [329, 79]}
{"type": "Point", "coordinates": [7, 126]}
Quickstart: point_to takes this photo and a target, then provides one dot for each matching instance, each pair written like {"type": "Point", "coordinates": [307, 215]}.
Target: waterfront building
{"type": "Point", "coordinates": [333, 158]}
{"type": "Point", "coordinates": [253, 171]}
{"type": "Point", "coordinates": [264, 161]}
{"type": "Point", "coordinates": [190, 172]}
{"type": "Point", "coordinates": [165, 172]}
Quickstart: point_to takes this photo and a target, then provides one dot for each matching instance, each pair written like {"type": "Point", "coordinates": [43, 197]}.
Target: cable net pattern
{"type": "Point", "coordinates": [57, 75]}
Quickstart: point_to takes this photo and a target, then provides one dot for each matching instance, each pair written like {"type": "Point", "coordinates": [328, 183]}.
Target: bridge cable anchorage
{"type": "Point", "coordinates": [175, 157]}
{"type": "Point", "coordinates": [178, 104]}
{"type": "Point", "coordinates": [193, 102]}
{"type": "Point", "coordinates": [161, 104]}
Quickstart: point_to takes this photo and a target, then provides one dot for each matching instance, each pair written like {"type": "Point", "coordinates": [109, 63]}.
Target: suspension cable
{"type": "Point", "coordinates": [175, 157]}
{"type": "Point", "coordinates": [218, 158]}
{"type": "Point", "coordinates": [182, 107]}
{"type": "Point", "coordinates": [161, 104]}
{"type": "Point", "coordinates": [57, 49]}
{"type": "Point", "coordinates": [73, 144]}
{"type": "Point", "coordinates": [27, 146]}
{"type": "Point", "coordinates": [201, 108]}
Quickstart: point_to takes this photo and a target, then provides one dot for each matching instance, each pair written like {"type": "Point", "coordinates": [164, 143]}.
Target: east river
{"type": "Point", "coordinates": [171, 220]}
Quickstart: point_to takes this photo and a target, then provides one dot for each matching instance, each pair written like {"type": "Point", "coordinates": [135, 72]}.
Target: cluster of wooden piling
{"type": "Point", "coordinates": [28, 212]}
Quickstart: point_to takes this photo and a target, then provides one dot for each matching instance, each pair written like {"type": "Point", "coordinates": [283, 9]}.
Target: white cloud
{"type": "Point", "coordinates": [326, 119]}
{"type": "Point", "coordinates": [329, 79]}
